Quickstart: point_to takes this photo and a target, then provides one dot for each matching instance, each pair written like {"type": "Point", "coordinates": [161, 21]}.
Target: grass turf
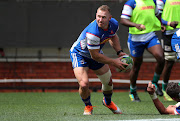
{"type": "Point", "coordinates": [67, 106]}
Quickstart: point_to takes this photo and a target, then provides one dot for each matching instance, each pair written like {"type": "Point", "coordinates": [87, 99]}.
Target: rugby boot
{"type": "Point", "coordinates": [88, 110]}
{"type": "Point", "coordinates": [134, 97]}
{"type": "Point", "coordinates": [166, 96]}
{"type": "Point", "coordinates": [112, 106]}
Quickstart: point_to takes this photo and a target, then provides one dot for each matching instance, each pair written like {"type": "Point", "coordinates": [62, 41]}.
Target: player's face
{"type": "Point", "coordinates": [103, 18]}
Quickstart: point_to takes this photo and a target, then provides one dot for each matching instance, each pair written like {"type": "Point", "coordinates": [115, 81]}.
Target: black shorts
{"type": "Point", "coordinates": [167, 43]}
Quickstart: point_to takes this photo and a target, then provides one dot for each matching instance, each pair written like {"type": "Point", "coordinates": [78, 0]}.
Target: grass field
{"type": "Point", "coordinates": [67, 106]}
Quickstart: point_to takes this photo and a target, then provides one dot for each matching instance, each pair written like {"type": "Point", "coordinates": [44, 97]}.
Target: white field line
{"type": "Point", "coordinates": [75, 80]}
{"type": "Point", "coordinates": [172, 119]}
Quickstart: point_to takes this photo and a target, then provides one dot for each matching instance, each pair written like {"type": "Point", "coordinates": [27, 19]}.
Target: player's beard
{"type": "Point", "coordinates": [102, 25]}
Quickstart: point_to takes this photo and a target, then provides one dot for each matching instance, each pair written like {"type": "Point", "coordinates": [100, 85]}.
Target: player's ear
{"type": "Point", "coordinates": [110, 17]}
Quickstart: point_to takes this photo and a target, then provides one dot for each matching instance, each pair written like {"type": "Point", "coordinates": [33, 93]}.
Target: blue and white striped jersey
{"type": "Point", "coordinates": [177, 110]}
{"type": "Point", "coordinates": [94, 37]}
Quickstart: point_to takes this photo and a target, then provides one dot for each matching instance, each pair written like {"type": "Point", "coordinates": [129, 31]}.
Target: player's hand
{"type": "Point", "coordinates": [174, 24]}
{"type": "Point", "coordinates": [151, 88]}
{"type": "Point", "coordinates": [163, 28]}
{"type": "Point", "coordinates": [121, 54]}
{"type": "Point", "coordinates": [140, 27]}
{"type": "Point", "coordinates": [119, 64]}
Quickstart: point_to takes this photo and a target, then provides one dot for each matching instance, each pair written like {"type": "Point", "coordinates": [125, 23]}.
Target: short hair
{"type": "Point", "coordinates": [105, 8]}
{"type": "Point", "coordinates": [173, 90]}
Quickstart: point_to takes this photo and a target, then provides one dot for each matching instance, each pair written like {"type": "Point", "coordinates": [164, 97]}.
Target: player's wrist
{"type": "Point", "coordinates": [118, 52]}
{"type": "Point", "coordinates": [168, 23]}
{"type": "Point", "coordinates": [153, 96]}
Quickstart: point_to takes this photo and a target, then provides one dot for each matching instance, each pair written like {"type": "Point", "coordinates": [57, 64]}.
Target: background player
{"type": "Point", "coordinates": [175, 43]}
{"type": "Point", "coordinates": [86, 53]}
{"type": "Point", "coordinates": [173, 90]}
{"type": "Point", "coordinates": [139, 16]}
{"type": "Point", "coordinates": [170, 17]}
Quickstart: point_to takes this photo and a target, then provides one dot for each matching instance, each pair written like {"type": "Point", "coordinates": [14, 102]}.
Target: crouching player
{"type": "Point", "coordinates": [86, 53]}
{"type": "Point", "coordinates": [173, 90]}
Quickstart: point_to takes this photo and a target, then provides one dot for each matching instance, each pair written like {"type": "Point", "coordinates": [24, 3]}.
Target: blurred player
{"type": "Point", "coordinates": [173, 90]}
{"type": "Point", "coordinates": [175, 43]}
{"type": "Point", "coordinates": [140, 17]}
{"type": "Point", "coordinates": [170, 17]}
{"type": "Point", "coordinates": [86, 53]}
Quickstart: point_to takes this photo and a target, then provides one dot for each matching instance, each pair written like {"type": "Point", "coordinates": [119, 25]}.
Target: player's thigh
{"type": "Point", "coordinates": [155, 48]}
{"type": "Point", "coordinates": [104, 69]}
{"type": "Point", "coordinates": [80, 67]}
{"type": "Point", "coordinates": [81, 74]}
{"type": "Point", "coordinates": [156, 51]}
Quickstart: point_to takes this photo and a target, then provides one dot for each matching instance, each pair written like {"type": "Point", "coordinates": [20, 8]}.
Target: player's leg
{"type": "Point", "coordinates": [137, 61]}
{"type": "Point", "coordinates": [104, 74]}
{"type": "Point", "coordinates": [81, 73]}
{"type": "Point", "coordinates": [156, 50]}
{"type": "Point", "coordinates": [170, 57]}
{"type": "Point", "coordinates": [136, 50]}
{"type": "Point", "coordinates": [82, 77]}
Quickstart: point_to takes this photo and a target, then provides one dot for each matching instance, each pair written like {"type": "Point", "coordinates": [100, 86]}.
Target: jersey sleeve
{"type": "Point", "coordinates": [177, 110]}
{"type": "Point", "coordinates": [93, 41]}
{"type": "Point", "coordinates": [127, 9]}
{"type": "Point", "coordinates": [164, 22]}
{"type": "Point", "coordinates": [160, 5]}
{"type": "Point", "coordinates": [115, 25]}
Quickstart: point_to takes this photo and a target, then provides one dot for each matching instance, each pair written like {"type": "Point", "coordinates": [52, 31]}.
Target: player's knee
{"type": "Point", "coordinates": [170, 56]}
{"type": "Point", "coordinates": [161, 61]}
{"type": "Point", "coordinates": [107, 87]}
{"type": "Point", "coordinates": [106, 81]}
{"type": "Point", "coordinates": [135, 69]}
{"type": "Point", "coordinates": [83, 85]}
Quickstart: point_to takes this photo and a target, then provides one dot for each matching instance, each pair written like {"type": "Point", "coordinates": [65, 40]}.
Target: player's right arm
{"type": "Point", "coordinates": [160, 6]}
{"type": "Point", "coordinates": [162, 110]}
{"type": "Point", "coordinates": [158, 104]}
{"type": "Point", "coordinates": [95, 55]}
{"type": "Point", "coordinates": [126, 15]}
{"type": "Point", "coordinates": [93, 45]}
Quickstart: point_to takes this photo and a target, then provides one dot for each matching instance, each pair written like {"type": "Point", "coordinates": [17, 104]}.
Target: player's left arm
{"type": "Point", "coordinates": [115, 43]}
{"type": "Point", "coordinates": [158, 104]}
{"type": "Point", "coordinates": [162, 109]}
{"type": "Point", "coordinates": [160, 6]}
{"type": "Point", "coordinates": [158, 15]}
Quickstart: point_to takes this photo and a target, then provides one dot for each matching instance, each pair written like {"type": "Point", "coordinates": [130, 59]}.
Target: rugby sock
{"type": "Point", "coordinates": [87, 101]}
{"type": "Point", "coordinates": [164, 85]}
{"type": "Point", "coordinates": [132, 89]}
{"type": "Point", "coordinates": [156, 78]}
{"type": "Point", "coordinates": [107, 98]}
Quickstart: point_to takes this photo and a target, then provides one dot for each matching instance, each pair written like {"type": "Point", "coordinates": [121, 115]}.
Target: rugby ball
{"type": "Point", "coordinates": [126, 59]}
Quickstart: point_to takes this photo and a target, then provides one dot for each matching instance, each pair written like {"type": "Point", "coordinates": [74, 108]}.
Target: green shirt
{"type": "Point", "coordinates": [171, 12]}
{"type": "Point", "coordinates": [144, 13]}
